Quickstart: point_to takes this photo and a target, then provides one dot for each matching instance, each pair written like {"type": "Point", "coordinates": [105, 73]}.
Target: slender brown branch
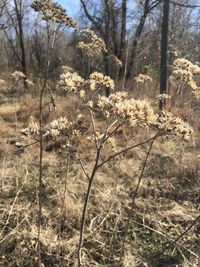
{"type": "Point", "coordinates": [125, 150]}
{"type": "Point", "coordinates": [83, 168]}
{"type": "Point", "coordinates": [48, 60]}
{"type": "Point", "coordinates": [95, 168]}
{"type": "Point", "coordinates": [135, 196]}
{"type": "Point", "coordinates": [197, 220]}
{"type": "Point", "coordinates": [169, 238]}
{"type": "Point", "coordinates": [113, 131]}
{"type": "Point", "coordinates": [94, 129]}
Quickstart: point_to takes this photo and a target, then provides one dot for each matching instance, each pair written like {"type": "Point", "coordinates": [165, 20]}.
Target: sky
{"type": "Point", "coordinates": [72, 6]}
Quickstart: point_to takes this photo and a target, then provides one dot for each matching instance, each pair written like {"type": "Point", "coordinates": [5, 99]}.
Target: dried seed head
{"type": "Point", "coordinates": [186, 72]}
{"type": "Point", "coordinates": [18, 75]}
{"type": "Point", "coordinates": [93, 46]}
{"type": "Point", "coordinates": [142, 78]}
{"type": "Point", "coordinates": [71, 82]}
{"type": "Point", "coordinates": [163, 97]}
{"type": "Point", "coordinates": [132, 112]}
{"type": "Point", "coordinates": [101, 81]}
{"type": "Point", "coordinates": [53, 12]}
{"type": "Point", "coordinates": [31, 131]}
{"type": "Point", "coordinates": [169, 124]}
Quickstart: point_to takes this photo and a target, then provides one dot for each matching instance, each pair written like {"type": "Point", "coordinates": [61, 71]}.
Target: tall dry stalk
{"type": "Point", "coordinates": [50, 49]}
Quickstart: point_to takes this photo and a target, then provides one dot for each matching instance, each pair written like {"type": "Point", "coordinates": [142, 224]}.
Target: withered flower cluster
{"type": "Point", "coordinates": [142, 78]}
{"type": "Point", "coordinates": [130, 111]}
{"type": "Point", "coordinates": [32, 131]}
{"type": "Point", "coordinates": [61, 127]}
{"type": "Point", "coordinates": [186, 72]}
{"type": "Point", "coordinates": [116, 61]}
{"type": "Point", "coordinates": [99, 80]}
{"type": "Point", "coordinates": [72, 82]}
{"type": "Point", "coordinates": [18, 75]}
{"type": "Point", "coordinates": [168, 124]}
{"type": "Point", "coordinates": [53, 12]}
{"type": "Point", "coordinates": [58, 133]}
{"type": "Point", "coordinates": [93, 46]}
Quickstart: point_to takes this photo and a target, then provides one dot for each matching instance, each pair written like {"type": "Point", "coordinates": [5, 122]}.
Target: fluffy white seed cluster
{"type": "Point", "coordinates": [71, 82]}
{"type": "Point", "coordinates": [53, 12]}
{"type": "Point", "coordinates": [31, 131]}
{"type": "Point", "coordinates": [116, 61]}
{"type": "Point", "coordinates": [61, 126]}
{"type": "Point", "coordinates": [94, 46]}
{"type": "Point", "coordinates": [100, 81]}
{"type": "Point", "coordinates": [187, 72]}
{"type": "Point", "coordinates": [169, 124]}
{"type": "Point", "coordinates": [163, 97]}
{"type": "Point", "coordinates": [142, 78]}
{"type": "Point", "coordinates": [3, 85]}
{"type": "Point", "coordinates": [18, 75]}
{"type": "Point", "coordinates": [130, 111]}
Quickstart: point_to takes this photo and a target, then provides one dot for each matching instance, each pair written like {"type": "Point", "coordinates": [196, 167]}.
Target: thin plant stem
{"type": "Point", "coordinates": [169, 238]}
{"type": "Point", "coordinates": [126, 65]}
{"type": "Point", "coordinates": [135, 196]}
{"type": "Point", "coordinates": [197, 220]}
{"type": "Point", "coordinates": [83, 168]}
{"type": "Point", "coordinates": [41, 149]}
{"type": "Point", "coordinates": [125, 150]}
{"type": "Point", "coordinates": [95, 168]}
{"type": "Point", "coordinates": [63, 202]}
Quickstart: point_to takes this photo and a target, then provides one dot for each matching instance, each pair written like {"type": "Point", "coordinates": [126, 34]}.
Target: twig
{"type": "Point", "coordinates": [126, 64]}
{"type": "Point", "coordinates": [83, 168]}
{"type": "Point", "coordinates": [13, 204]}
{"type": "Point", "coordinates": [125, 150]}
{"type": "Point", "coordinates": [48, 60]}
{"type": "Point", "coordinates": [135, 195]}
{"type": "Point", "coordinates": [95, 168]}
{"type": "Point", "coordinates": [63, 202]}
{"type": "Point", "coordinates": [176, 240]}
{"type": "Point", "coordinates": [166, 236]}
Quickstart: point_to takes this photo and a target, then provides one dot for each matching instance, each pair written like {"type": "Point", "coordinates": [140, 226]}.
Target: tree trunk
{"type": "Point", "coordinates": [114, 30]}
{"type": "Point", "coordinates": [136, 39]}
{"type": "Point", "coordinates": [123, 29]}
{"type": "Point", "coordinates": [107, 41]}
{"type": "Point", "coordinates": [18, 10]}
{"type": "Point", "coordinates": [164, 50]}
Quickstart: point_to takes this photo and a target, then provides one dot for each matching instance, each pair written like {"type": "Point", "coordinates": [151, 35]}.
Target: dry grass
{"type": "Point", "coordinates": [167, 201]}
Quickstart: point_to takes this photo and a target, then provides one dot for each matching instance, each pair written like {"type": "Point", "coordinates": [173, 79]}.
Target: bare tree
{"type": "Point", "coordinates": [164, 50]}
{"type": "Point", "coordinates": [147, 7]}
{"type": "Point", "coordinates": [123, 28]}
{"type": "Point", "coordinates": [15, 15]}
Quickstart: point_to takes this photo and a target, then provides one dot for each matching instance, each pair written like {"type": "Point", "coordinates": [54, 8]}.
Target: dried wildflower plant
{"type": "Point", "coordinates": [100, 81]}
{"type": "Point", "coordinates": [163, 97]}
{"type": "Point", "coordinates": [63, 131]}
{"type": "Point", "coordinates": [117, 110]}
{"type": "Point", "coordinates": [53, 12]}
{"type": "Point", "coordinates": [74, 83]}
{"type": "Point", "coordinates": [3, 85]}
{"type": "Point", "coordinates": [170, 125]}
{"type": "Point", "coordinates": [93, 46]}
{"type": "Point", "coordinates": [143, 78]}
{"type": "Point", "coordinates": [130, 111]}
{"type": "Point", "coordinates": [17, 75]}
{"type": "Point", "coordinates": [71, 82]}
{"type": "Point", "coordinates": [186, 73]}
{"type": "Point", "coordinates": [116, 61]}
{"type": "Point", "coordinates": [31, 132]}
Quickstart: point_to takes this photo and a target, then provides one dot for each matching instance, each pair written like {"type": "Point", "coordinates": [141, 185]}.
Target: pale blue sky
{"type": "Point", "coordinates": [72, 6]}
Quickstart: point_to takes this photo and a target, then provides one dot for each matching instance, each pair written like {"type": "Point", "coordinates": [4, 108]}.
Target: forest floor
{"type": "Point", "coordinates": [167, 203]}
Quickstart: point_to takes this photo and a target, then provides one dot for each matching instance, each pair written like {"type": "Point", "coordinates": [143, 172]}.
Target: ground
{"type": "Point", "coordinates": [166, 205]}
